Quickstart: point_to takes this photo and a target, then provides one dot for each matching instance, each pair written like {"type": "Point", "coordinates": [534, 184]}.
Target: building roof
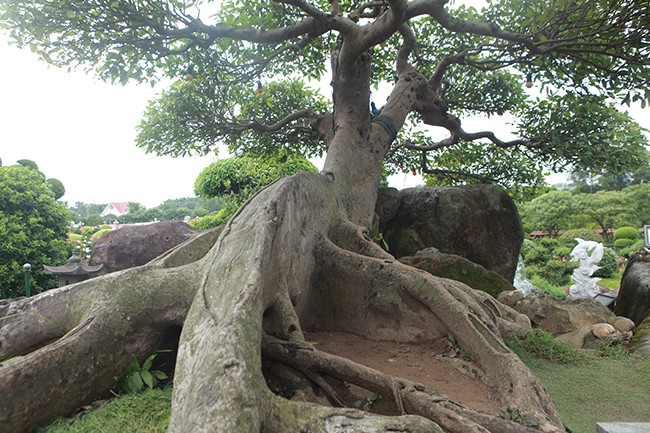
{"type": "Point", "coordinates": [116, 208]}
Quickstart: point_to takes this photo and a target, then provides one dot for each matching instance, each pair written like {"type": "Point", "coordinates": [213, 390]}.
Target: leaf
{"type": "Point", "coordinates": [147, 378]}
{"type": "Point", "coordinates": [134, 382]}
{"type": "Point", "coordinates": [160, 375]}
{"type": "Point", "coordinates": [146, 366]}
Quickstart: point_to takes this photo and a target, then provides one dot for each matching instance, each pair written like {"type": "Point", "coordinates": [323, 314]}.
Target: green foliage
{"type": "Point", "coordinates": [216, 219]}
{"type": "Point", "coordinates": [608, 264]}
{"type": "Point", "coordinates": [568, 238]}
{"type": "Point", "coordinates": [27, 163]}
{"type": "Point", "coordinates": [542, 345]}
{"type": "Point", "coordinates": [99, 233]}
{"type": "Point", "coordinates": [626, 233]}
{"type": "Point", "coordinates": [580, 55]}
{"type": "Point", "coordinates": [629, 250]}
{"type": "Point", "coordinates": [557, 272]}
{"type": "Point", "coordinates": [244, 175]}
{"type": "Point", "coordinates": [33, 229]}
{"type": "Point", "coordinates": [550, 212]}
{"type": "Point", "coordinates": [136, 377]}
{"type": "Point", "coordinates": [623, 243]}
{"type": "Point", "coordinates": [545, 286]}
{"type": "Point", "coordinates": [57, 187]}
{"type": "Point", "coordinates": [238, 178]}
{"type": "Point", "coordinates": [192, 116]}
{"type": "Point", "coordinates": [601, 137]}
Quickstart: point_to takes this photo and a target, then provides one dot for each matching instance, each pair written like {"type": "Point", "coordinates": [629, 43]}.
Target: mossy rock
{"type": "Point", "coordinates": [641, 339]}
{"type": "Point", "coordinates": [460, 269]}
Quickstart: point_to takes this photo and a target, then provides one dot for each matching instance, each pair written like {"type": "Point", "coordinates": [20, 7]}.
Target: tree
{"type": "Point", "coordinates": [551, 212]}
{"type": "Point", "coordinates": [298, 254]}
{"type": "Point", "coordinates": [33, 229]}
{"type": "Point", "coordinates": [605, 208]}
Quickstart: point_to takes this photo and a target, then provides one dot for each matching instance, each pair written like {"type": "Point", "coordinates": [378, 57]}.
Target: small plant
{"type": "Point", "coordinates": [516, 416]}
{"type": "Point", "coordinates": [136, 377]}
{"type": "Point", "coordinates": [366, 403]}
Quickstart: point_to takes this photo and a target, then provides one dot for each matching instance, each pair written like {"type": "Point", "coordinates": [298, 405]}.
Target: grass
{"type": "Point", "coordinates": [146, 412]}
{"type": "Point", "coordinates": [606, 385]}
{"type": "Point", "coordinates": [613, 282]}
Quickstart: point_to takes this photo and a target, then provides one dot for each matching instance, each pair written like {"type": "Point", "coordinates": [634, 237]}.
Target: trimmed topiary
{"type": "Point", "coordinates": [626, 233]}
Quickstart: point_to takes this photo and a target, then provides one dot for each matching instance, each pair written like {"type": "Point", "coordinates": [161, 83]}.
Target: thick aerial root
{"type": "Point", "coordinates": [291, 416]}
{"type": "Point", "coordinates": [386, 300]}
{"type": "Point", "coordinates": [73, 341]}
{"type": "Point", "coordinates": [408, 397]}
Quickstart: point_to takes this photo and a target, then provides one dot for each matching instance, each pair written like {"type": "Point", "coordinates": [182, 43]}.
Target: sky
{"type": "Point", "coordinates": [82, 132]}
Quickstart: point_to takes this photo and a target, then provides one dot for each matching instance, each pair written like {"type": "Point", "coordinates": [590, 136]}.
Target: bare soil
{"type": "Point", "coordinates": [420, 363]}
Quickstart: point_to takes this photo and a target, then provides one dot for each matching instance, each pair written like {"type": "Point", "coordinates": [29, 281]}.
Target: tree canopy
{"type": "Point", "coordinates": [240, 71]}
{"type": "Point", "coordinates": [33, 229]}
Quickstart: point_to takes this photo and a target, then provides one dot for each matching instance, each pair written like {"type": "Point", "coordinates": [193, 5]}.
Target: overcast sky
{"type": "Point", "coordinates": [82, 131]}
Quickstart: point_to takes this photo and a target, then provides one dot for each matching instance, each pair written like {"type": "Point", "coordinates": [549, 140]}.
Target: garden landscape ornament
{"type": "Point", "coordinates": [588, 254]}
{"type": "Point", "coordinates": [521, 281]}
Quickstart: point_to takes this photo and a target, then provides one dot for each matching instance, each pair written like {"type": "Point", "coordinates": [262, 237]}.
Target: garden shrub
{"type": "Point", "coordinates": [548, 288]}
{"type": "Point", "coordinates": [557, 272]}
{"type": "Point", "coordinates": [99, 233]}
{"type": "Point", "coordinates": [628, 251]}
{"type": "Point", "coordinates": [608, 264]}
{"type": "Point", "coordinates": [626, 233]}
{"type": "Point", "coordinates": [623, 242]}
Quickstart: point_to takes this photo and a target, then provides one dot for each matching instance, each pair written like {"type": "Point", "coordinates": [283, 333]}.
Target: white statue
{"type": "Point", "coordinates": [587, 254]}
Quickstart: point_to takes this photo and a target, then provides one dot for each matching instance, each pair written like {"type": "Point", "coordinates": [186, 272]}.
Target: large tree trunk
{"type": "Point", "coordinates": [289, 259]}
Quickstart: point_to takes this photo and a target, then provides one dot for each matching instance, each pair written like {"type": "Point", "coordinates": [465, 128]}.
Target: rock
{"type": "Point", "coordinates": [510, 298]}
{"type": "Point", "coordinates": [562, 317]}
{"type": "Point", "coordinates": [479, 223]}
{"type": "Point", "coordinates": [622, 324]}
{"type": "Point", "coordinates": [135, 245]}
{"type": "Point", "coordinates": [633, 299]}
{"type": "Point", "coordinates": [602, 330]}
{"type": "Point", "coordinates": [460, 269]}
{"type": "Point", "coordinates": [576, 338]}
{"type": "Point", "coordinates": [641, 339]}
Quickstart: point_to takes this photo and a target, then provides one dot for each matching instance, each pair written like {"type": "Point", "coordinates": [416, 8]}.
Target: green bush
{"type": "Point", "coordinates": [623, 242]}
{"type": "Point", "coordinates": [557, 272]}
{"type": "Point", "coordinates": [99, 233]}
{"type": "Point", "coordinates": [608, 264]}
{"type": "Point", "coordinates": [626, 233]}
{"type": "Point", "coordinates": [548, 288]}
{"type": "Point", "coordinates": [628, 251]}
{"type": "Point", "coordinates": [533, 253]}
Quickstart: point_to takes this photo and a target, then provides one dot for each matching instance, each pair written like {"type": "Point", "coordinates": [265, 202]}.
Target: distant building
{"type": "Point", "coordinates": [117, 209]}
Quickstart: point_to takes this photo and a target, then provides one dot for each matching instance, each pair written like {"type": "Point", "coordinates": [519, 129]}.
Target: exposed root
{"type": "Point", "coordinates": [408, 397]}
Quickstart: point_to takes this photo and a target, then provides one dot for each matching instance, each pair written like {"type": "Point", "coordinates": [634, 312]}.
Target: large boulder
{"type": "Point", "coordinates": [479, 223]}
{"type": "Point", "coordinates": [460, 269]}
{"type": "Point", "coordinates": [633, 298]}
{"type": "Point", "coordinates": [135, 245]}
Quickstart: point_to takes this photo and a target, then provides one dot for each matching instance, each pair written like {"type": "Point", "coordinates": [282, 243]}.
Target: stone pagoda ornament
{"type": "Point", "coordinates": [74, 271]}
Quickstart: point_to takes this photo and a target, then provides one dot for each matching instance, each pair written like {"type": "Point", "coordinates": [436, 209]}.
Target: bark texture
{"type": "Point", "coordinates": [289, 260]}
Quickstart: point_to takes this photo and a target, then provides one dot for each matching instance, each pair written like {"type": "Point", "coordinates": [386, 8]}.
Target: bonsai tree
{"type": "Point", "coordinates": [298, 255]}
